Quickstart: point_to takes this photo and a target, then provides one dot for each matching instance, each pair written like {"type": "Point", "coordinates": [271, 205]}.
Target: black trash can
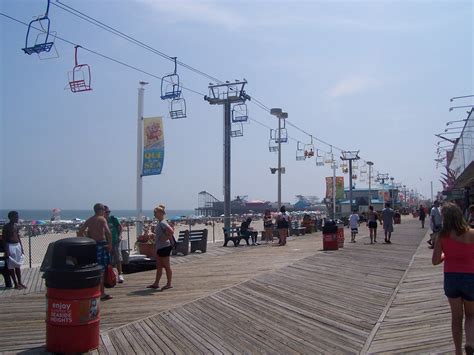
{"type": "Point", "coordinates": [330, 241]}
{"type": "Point", "coordinates": [73, 292]}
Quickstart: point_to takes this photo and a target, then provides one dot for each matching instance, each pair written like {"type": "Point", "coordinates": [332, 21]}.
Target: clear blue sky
{"type": "Point", "coordinates": [369, 75]}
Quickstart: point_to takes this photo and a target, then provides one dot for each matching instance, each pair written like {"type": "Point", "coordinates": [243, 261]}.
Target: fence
{"type": "Point", "coordinates": [36, 238]}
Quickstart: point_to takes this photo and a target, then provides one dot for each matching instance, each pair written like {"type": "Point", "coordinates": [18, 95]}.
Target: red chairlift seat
{"type": "Point", "coordinates": [80, 76]}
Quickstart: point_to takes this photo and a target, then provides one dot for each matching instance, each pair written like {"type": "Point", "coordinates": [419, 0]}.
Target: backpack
{"type": "Point", "coordinates": [110, 277]}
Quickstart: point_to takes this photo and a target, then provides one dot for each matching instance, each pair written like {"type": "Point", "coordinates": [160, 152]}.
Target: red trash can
{"type": "Point", "coordinates": [340, 234]}
{"type": "Point", "coordinates": [73, 293]}
{"type": "Point", "coordinates": [330, 241]}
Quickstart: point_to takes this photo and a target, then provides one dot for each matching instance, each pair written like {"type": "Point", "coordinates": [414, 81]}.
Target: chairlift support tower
{"type": "Point", "coordinates": [350, 155]}
{"type": "Point", "coordinates": [227, 94]}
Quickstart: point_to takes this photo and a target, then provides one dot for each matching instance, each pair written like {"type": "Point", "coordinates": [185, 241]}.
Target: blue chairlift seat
{"type": "Point", "coordinates": [170, 85]}
{"type": "Point", "coordinates": [43, 46]}
{"type": "Point", "coordinates": [178, 108]}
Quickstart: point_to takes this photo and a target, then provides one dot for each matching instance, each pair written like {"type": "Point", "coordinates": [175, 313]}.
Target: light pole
{"type": "Point", "coordinates": [369, 163]}
{"type": "Point", "coordinates": [139, 212]}
{"type": "Point", "coordinates": [392, 179]}
{"type": "Point", "coordinates": [280, 115]}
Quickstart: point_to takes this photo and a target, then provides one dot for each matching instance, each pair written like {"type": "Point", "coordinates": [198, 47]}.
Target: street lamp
{"type": "Point", "coordinates": [370, 164]}
{"type": "Point", "coordinates": [280, 115]}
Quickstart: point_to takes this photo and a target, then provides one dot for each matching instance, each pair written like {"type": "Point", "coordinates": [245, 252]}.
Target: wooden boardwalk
{"type": "Point", "coordinates": [294, 299]}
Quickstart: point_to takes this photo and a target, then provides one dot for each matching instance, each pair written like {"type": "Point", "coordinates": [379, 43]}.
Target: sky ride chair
{"type": "Point", "coordinates": [355, 165]}
{"type": "Point", "coordinates": [309, 149]}
{"type": "Point", "coordinates": [328, 158]}
{"type": "Point", "coordinates": [177, 108]}
{"type": "Point", "coordinates": [363, 169]}
{"type": "Point", "coordinates": [170, 85]}
{"type": "Point", "coordinates": [272, 145]}
{"type": "Point", "coordinates": [39, 46]}
{"type": "Point", "coordinates": [300, 153]}
{"type": "Point", "coordinates": [354, 176]}
{"type": "Point", "coordinates": [279, 138]}
{"type": "Point", "coordinates": [319, 158]}
{"type": "Point", "coordinates": [80, 76]}
{"type": "Point", "coordinates": [236, 130]}
{"type": "Point", "coordinates": [240, 113]}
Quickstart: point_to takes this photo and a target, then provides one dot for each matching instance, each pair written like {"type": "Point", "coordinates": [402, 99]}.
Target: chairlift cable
{"type": "Point", "coordinates": [116, 32]}
{"type": "Point", "coordinates": [102, 55]}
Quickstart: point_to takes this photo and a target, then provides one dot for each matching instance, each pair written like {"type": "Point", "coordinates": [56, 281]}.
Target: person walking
{"type": "Point", "coordinates": [354, 225]}
{"type": "Point", "coordinates": [283, 224]}
{"type": "Point", "coordinates": [422, 216]}
{"type": "Point", "coordinates": [372, 218]}
{"type": "Point", "coordinates": [436, 222]}
{"type": "Point", "coordinates": [116, 253]}
{"type": "Point", "coordinates": [163, 240]}
{"type": "Point", "coordinates": [454, 245]}
{"type": "Point", "coordinates": [96, 228]}
{"type": "Point", "coordinates": [14, 253]}
{"type": "Point", "coordinates": [387, 222]}
{"type": "Point", "coordinates": [268, 226]}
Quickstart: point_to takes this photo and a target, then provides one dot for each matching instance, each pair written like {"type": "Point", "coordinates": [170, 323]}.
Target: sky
{"type": "Point", "coordinates": [373, 76]}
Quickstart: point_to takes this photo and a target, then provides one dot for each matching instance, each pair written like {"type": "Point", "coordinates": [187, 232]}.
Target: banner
{"type": "Point", "coordinates": [153, 146]}
{"type": "Point", "coordinates": [384, 195]}
{"type": "Point", "coordinates": [339, 187]}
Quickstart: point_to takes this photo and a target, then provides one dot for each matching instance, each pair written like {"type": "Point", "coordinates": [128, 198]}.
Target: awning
{"type": "Point", "coordinates": [466, 179]}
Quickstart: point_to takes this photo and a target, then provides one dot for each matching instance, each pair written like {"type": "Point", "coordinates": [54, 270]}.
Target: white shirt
{"type": "Point", "coordinates": [354, 221]}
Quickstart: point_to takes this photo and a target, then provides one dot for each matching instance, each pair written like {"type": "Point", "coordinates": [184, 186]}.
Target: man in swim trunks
{"type": "Point", "coordinates": [13, 249]}
{"type": "Point", "coordinates": [98, 229]}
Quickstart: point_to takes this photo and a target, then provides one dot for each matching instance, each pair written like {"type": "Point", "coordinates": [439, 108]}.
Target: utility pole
{"type": "Point", "coordinates": [431, 191]}
{"type": "Point", "coordinates": [281, 116]}
{"type": "Point", "coordinates": [227, 94]}
{"type": "Point", "coordinates": [139, 212]}
{"type": "Point", "coordinates": [350, 156]}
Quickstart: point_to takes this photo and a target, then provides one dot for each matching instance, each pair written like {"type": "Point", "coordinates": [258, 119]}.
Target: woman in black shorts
{"type": "Point", "coordinates": [372, 219]}
{"type": "Point", "coordinates": [163, 238]}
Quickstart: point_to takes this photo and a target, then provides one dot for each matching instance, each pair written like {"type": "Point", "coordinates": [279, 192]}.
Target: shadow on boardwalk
{"type": "Point", "coordinates": [294, 299]}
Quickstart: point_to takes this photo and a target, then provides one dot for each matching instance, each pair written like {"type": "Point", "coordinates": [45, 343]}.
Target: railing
{"type": "Point", "coordinates": [36, 238]}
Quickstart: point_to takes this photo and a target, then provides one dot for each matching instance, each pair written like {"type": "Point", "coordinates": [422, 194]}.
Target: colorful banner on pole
{"type": "Point", "coordinates": [153, 146]}
{"type": "Point", "coordinates": [339, 187]}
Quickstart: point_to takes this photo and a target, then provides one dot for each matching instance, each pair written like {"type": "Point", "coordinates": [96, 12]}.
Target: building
{"type": "Point", "coordinates": [458, 180]}
{"type": "Point", "coordinates": [360, 197]}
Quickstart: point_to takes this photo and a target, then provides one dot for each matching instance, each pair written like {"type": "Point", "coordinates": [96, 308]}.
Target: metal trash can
{"type": "Point", "coordinates": [73, 292]}
{"type": "Point", "coordinates": [330, 241]}
{"type": "Point", "coordinates": [340, 233]}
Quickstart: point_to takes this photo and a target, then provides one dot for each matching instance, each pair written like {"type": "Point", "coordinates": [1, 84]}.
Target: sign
{"type": "Point", "coordinates": [339, 187]}
{"type": "Point", "coordinates": [153, 146]}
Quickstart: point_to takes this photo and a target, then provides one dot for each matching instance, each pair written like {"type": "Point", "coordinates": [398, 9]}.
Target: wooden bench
{"type": "Point", "coordinates": [197, 239]}
{"type": "Point", "coordinates": [296, 229]}
{"type": "Point", "coordinates": [234, 236]}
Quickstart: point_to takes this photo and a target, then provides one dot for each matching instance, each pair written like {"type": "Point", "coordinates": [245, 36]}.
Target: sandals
{"type": "Point", "coordinates": [105, 297]}
{"type": "Point", "coordinates": [153, 286]}
{"type": "Point", "coordinates": [166, 287]}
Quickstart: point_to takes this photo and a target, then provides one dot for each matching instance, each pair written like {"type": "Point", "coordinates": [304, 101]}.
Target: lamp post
{"type": "Point", "coordinates": [370, 164]}
{"type": "Point", "coordinates": [392, 198]}
{"type": "Point", "coordinates": [280, 115]}
{"type": "Point", "coordinates": [139, 212]}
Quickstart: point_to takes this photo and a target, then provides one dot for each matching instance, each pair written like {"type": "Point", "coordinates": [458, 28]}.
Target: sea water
{"type": "Point", "coordinates": [30, 215]}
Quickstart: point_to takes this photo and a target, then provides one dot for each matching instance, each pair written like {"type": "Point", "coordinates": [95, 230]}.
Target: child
{"type": "Point", "coordinates": [354, 224]}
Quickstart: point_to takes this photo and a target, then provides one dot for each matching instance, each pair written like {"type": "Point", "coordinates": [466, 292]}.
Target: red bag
{"type": "Point", "coordinates": [110, 277]}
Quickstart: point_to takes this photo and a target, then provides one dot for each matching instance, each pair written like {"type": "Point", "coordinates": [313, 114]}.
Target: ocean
{"type": "Point", "coordinates": [30, 215]}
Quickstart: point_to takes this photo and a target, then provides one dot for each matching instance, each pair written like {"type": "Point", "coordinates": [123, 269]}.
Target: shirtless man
{"type": "Point", "coordinates": [97, 229]}
{"type": "Point", "coordinates": [13, 249]}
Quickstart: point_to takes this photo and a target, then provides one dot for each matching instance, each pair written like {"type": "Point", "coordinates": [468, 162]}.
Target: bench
{"type": "Point", "coordinates": [296, 229]}
{"type": "Point", "coordinates": [197, 238]}
{"type": "Point", "coordinates": [234, 236]}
